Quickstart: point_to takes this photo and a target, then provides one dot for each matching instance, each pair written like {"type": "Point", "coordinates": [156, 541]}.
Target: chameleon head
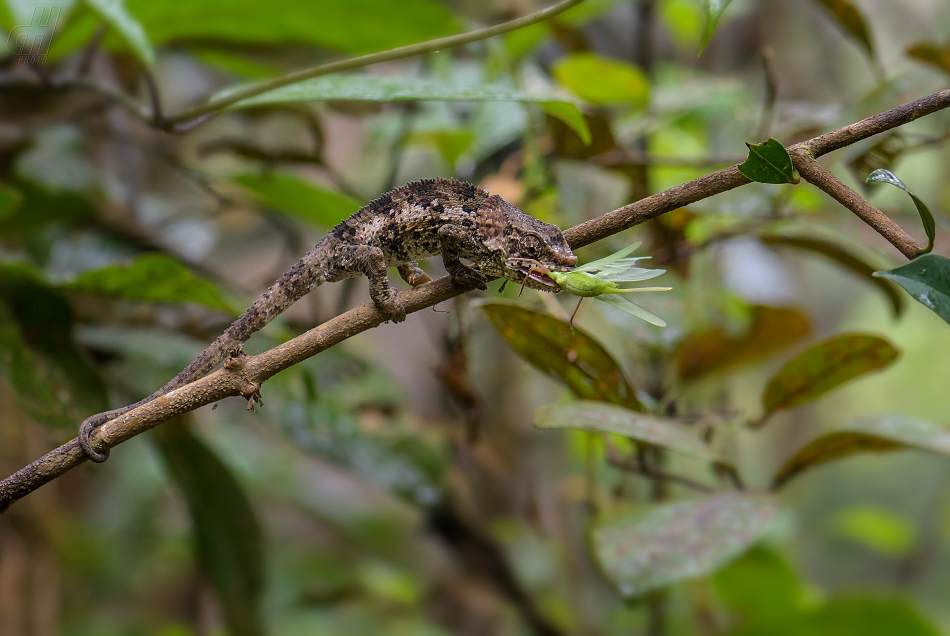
{"type": "Point", "coordinates": [530, 249]}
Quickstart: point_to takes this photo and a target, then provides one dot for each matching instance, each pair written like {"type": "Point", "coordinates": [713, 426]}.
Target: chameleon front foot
{"type": "Point", "coordinates": [464, 275]}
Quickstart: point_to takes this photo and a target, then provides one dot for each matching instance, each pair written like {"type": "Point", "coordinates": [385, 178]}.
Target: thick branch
{"type": "Point", "coordinates": [813, 173]}
{"type": "Point", "coordinates": [245, 375]}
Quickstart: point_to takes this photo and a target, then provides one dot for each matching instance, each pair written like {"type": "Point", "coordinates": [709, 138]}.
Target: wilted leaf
{"type": "Point", "coordinates": [876, 434]}
{"type": "Point", "coordinates": [573, 357]}
{"type": "Point", "coordinates": [152, 278]}
{"type": "Point", "coordinates": [117, 16]}
{"type": "Point", "coordinates": [674, 542]}
{"type": "Point", "coordinates": [875, 528]}
{"type": "Point", "coordinates": [769, 162]}
{"type": "Point", "coordinates": [362, 87]}
{"type": "Point", "coordinates": [712, 11]}
{"type": "Point", "coordinates": [228, 542]}
{"type": "Point", "coordinates": [54, 383]}
{"type": "Point", "coordinates": [851, 22]}
{"type": "Point", "coordinates": [760, 586]}
{"type": "Point", "coordinates": [844, 258]}
{"type": "Point", "coordinates": [931, 53]}
{"type": "Point", "coordinates": [886, 176]}
{"type": "Point", "coordinates": [927, 280]}
{"type": "Point", "coordinates": [301, 199]}
{"type": "Point", "coordinates": [850, 616]}
{"type": "Point", "coordinates": [601, 80]}
{"type": "Point", "coordinates": [826, 366]}
{"type": "Point", "coordinates": [773, 328]}
{"type": "Point", "coordinates": [607, 418]}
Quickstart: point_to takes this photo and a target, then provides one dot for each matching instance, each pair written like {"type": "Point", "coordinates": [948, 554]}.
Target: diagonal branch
{"type": "Point", "coordinates": [244, 376]}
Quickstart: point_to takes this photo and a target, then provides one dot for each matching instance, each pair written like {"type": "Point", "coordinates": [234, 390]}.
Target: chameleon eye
{"type": "Point", "coordinates": [530, 246]}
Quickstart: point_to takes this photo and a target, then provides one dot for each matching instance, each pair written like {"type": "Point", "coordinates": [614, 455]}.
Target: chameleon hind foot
{"type": "Point", "coordinates": [85, 430]}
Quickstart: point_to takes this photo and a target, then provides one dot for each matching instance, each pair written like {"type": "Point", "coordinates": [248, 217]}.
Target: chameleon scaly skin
{"type": "Point", "coordinates": [418, 220]}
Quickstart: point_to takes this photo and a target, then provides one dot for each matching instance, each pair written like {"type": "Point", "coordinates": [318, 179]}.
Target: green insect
{"type": "Point", "coordinates": [599, 280]}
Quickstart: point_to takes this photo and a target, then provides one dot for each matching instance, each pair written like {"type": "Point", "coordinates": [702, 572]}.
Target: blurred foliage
{"type": "Point", "coordinates": [687, 479]}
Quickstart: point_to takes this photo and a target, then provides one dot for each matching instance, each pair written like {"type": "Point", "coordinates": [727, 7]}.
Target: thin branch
{"type": "Point", "coordinates": [215, 105]}
{"type": "Point", "coordinates": [640, 467]}
{"type": "Point", "coordinates": [244, 376]}
{"type": "Point", "coordinates": [813, 173]}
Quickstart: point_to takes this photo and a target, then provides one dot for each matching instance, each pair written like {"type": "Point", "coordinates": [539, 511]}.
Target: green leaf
{"type": "Point", "coordinates": [709, 351]}
{"type": "Point", "coordinates": [931, 53]}
{"type": "Point", "coordinates": [573, 357]}
{"type": "Point", "coordinates": [451, 143]}
{"type": "Point", "coordinates": [927, 280]}
{"type": "Point", "coordinates": [601, 80]}
{"type": "Point", "coordinates": [607, 418]}
{"type": "Point", "coordinates": [227, 537]}
{"type": "Point", "coordinates": [152, 278]}
{"type": "Point", "coordinates": [712, 11]}
{"type": "Point", "coordinates": [362, 87]}
{"type": "Point", "coordinates": [851, 616]}
{"type": "Point", "coordinates": [117, 16]}
{"type": "Point", "coordinates": [842, 257]}
{"type": "Point", "coordinates": [875, 528]}
{"type": "Point", "coordinates": [381, 24]}
{"type": "Point", "coordinates": [769, 162]}
{"type": "Point", "coordinates": [826, 366]}
{"type": "Point", "coordinates": [760, 587]}
{"type": "Point", "coordinates": [877, 434]}
{"type": "Point", "coordinates": [886, 176]}
{"type": "Point", "coordinates": [55, 384]}
{"type": "Point", "coordinates": [675, 542]}
{"type": "Point", "coordinates": [571, 115]}
{"type": "Point", "coordinates": [851, 22]}
{"type": "Point", "coordinates": [10, 200]}
{"type": "Point", "coordinates": [300, 199]}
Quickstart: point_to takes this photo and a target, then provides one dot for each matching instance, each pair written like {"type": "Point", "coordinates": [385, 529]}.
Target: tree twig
{"type": "Point", "coordinates": [812, 172]}
{"type": "Point", "coordinates": [244, 376]}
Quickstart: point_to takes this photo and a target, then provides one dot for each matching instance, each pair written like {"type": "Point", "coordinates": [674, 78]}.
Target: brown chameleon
{"type": "Point", "coordinates": [415, 221]}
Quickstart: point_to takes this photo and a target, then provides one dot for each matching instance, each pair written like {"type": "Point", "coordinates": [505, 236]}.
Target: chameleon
{"type": "Point", "coordinates": [421, 219]}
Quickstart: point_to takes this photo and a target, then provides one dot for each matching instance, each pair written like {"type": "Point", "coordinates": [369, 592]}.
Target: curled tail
{"type": "Point", "coordinates": [307, 273]}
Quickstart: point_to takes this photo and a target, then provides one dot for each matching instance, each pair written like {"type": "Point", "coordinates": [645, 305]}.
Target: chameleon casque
{"type": "Point", "coordinates": [415, 221]}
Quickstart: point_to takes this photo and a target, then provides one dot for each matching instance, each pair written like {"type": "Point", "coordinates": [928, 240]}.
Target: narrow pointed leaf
{"type": "Point", "coordinates": [886, 176]}
{"type": "Point", "coordinates": [364, 87]}
{"type": "Point", "coordinates": [117, 16]}
{"type": "Point", "coordinates": [712, 11]}
{"type": "Point", "coordinates": [769, 162]}
{"type": "Point", "coordinates": [152, 278]}
{"type": "Point", "coordinates": [674, 542]}
{"type": "Point", "coordinates": [842, 257]}
{"type": "Point", "coordinates": [826, 366]}
{"type": "Point", "coordinates": [872, 434]}
{"type": "Point", "coordinates": [851, 22]}
{"type": "Point", "coordinates": [927, 280]}
{"type": "Point", "coordinates": [227, 536]}
{"type": "Point", "coordinates": [607, 418]}
{"type": "Point", "coordinates": [574, 358]}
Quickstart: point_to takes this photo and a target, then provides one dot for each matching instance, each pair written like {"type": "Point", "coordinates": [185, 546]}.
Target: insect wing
{"type": "Point", "coordinates": [631, 307]}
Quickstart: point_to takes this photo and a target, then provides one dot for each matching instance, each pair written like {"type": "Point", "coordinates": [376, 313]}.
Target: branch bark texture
{"type": "Point", "coordinates": [244, 375]}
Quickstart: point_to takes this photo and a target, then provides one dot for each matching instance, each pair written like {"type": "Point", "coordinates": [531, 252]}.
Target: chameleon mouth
{"type": "Point", "coordinates": [534, 273]}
